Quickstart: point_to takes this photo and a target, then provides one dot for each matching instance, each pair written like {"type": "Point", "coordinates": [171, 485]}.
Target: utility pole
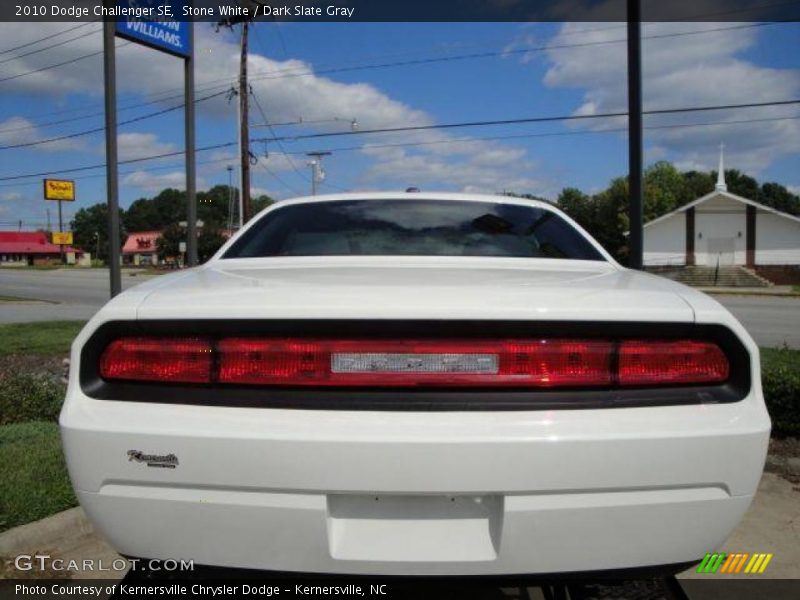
{"type": "Point", "coordinates": [229, 168]}
{"type": "Point", "coordinates": [635, 150]}
{"type": "Point", "coordinates": [112, 184]}
{"type": "Point", "coordinates": [244, 132]}
{"type": "Point", "coordinates": [317, 172]}
{"type": "Point", "coordinates": [189, 124]}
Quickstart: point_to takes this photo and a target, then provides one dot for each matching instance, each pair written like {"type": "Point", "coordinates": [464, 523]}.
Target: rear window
{"type": "Point", "coordinates": [412, 228]}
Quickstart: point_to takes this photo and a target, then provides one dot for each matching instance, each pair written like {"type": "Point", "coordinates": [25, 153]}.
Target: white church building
{"type": "Point", "coordinates": [722, 227]}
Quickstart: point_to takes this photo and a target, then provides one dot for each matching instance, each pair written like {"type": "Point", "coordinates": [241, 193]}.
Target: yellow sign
{"type": "Point", "coordinates": [62, 238]}
{"type": "Point", "coordinates": [59, 189]}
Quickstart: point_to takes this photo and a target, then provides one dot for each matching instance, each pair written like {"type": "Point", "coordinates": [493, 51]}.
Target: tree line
{"type": "Point", "coordinates": [603, 214]}
{"type": "Point", "coordinates": [163, 212]}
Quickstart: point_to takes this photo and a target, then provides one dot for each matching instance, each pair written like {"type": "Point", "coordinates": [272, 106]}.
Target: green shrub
{"type": "Point", "coordinates": [780, 378]}
{"type": "Point", "coordinates": [33, 474]}
{"type": "Point", "coordinates": [26, 396]}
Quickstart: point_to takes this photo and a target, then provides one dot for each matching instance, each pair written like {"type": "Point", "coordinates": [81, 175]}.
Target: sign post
{"type": "Point", "coordinates": [167, 34]}
{"type": "Point", "coordinates": [59, 190]}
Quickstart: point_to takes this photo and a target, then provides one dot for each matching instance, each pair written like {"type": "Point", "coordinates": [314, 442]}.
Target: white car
{"type": "Point", "coordinates": [415, 384]}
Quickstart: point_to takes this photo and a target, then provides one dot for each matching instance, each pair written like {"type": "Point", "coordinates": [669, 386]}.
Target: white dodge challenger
{"type": "Point", "coordinates": [415, 384]}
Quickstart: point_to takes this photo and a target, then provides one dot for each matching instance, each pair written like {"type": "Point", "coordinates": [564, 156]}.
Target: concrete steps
{"type": "Point", "coordinates": [727, 276]}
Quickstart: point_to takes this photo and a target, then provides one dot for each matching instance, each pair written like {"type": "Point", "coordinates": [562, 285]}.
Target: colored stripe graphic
{"type": "Point", "coordinates": [736, 562]}
{"type": "Point", "coordinates": [711, 562]}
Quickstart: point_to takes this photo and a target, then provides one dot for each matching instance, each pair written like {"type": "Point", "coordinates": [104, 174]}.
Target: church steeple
{"type": "Point", "coordinates": [721, 185]}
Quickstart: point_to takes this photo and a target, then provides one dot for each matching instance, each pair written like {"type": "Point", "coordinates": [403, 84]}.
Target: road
{"type": "Point", "coordinates": [64, 294]}
{"type": "Point", "coordinates": [771, 320]}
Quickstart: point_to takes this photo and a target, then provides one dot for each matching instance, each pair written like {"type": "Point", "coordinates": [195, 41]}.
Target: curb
{"type": "Point", "coordinates": [738, 292]}
{"type": "Point", "coordinates": [42, 533]}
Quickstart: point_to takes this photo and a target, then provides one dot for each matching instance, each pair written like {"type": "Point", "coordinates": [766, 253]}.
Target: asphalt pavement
{"type": "Point", "coordinates": [62, 294]}
{"type": "Point", "coordinates": [771, 320]}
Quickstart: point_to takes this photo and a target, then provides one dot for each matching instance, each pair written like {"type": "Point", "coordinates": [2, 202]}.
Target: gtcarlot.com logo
{"type": "Point", "coordinates": [736, 562]}
{"type": "Point", "coordinates": [44, 562]}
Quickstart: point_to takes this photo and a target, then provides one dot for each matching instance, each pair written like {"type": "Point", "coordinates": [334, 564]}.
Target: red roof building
{"type": "Point", "coordinates": [30, 247]}
{"type": "Point", "coordinates": [141, 248]}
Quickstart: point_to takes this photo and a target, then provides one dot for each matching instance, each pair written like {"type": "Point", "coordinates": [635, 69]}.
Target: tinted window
{"type": "Point", "coordinates": [412, 228]}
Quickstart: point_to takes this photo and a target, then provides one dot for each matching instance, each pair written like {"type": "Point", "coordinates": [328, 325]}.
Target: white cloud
{"type": "Point", "coordinates": [152, 183]}
{"type": "Point", "coordinates": [288, 90]}
{"type": "Point", "coordinates": [20, 130]}
{"type": "Point", "coordinates": [684, 71]}
{"type": "Point", "coordinates": [11, 196]}
{"type": "Point", "coordinates": [140, 145]}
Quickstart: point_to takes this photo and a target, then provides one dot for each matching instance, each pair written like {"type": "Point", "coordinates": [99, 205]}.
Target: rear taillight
{"type": "Point", "coordinates": [645, 362]}
{"type": "Point", "coordinates": [545, 363]}
{"type": "Point", "coordinates": [180, 360]}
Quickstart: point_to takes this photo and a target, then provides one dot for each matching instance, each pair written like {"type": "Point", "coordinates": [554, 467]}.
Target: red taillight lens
{"type": "Point", "coordinates": [412, 363]}
{"type": "Point", "coordinates": [183, 360]}
{"type": "Point", "coordinates": [406, 363]}
{"type": "Point", "coordinates": [646, 362]}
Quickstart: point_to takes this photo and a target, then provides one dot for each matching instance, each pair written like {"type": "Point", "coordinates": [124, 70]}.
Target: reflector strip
{"type": "Point", "coordinates": [383, 362]}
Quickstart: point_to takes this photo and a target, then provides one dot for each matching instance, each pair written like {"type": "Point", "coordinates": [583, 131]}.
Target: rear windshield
{"type": "Point", "coordinates": [412, 228]}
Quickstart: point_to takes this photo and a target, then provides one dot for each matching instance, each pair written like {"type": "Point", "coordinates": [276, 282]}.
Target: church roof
{"type": "Point", "coordinates": [724, 194]}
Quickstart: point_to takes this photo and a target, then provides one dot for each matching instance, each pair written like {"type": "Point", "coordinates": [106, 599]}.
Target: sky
{"type": "Point", "coordinates": [319, 77]}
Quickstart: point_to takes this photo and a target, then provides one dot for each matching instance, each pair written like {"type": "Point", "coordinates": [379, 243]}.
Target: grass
{"type": "Point", "coordinates": [15, 299]}
{"type": "Point", "coordinates": [18, 299]}
{"type": "Point", "coordinates": [33, 472]}
{"type": "Point", "coordinates": [780, 357]}
{"type": "Point", "coordinates": [46, 338]}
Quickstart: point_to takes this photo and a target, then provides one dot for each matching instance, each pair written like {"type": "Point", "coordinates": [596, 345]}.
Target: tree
{"type": "Point", "coordinates": [778, 197]}
{"type": "Point", "coordinates": [142, 216]}
{"type": "Point", "coordinates": [740, 184]}
{"type": "Point", "coordinates": [260, 203]}
{"type": "Point", "coordinates": [208, 242]}
{"type": "Point", "coordinates": [169, 243]}
{"type": "Point", "coordinates": [578, 206]}
{"type": "Point", "coordinates": [212, 206]}
{"type": "Point", "coordinates": [697, 185]}
{"type": "Point", "coordinates": [90, 230]}
{"type": "Point", "coordinates": [664, 190]}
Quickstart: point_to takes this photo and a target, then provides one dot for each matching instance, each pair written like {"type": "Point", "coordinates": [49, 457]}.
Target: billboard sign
{"type": "Point", "coordinates": [62, 238]}
{"type": "Point", "coordinates": [59, 189]}
{"type": "Point", "coordinates": [162, 31]}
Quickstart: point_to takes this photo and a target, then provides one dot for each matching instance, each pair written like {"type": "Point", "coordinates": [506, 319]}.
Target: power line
{"type": "Point", "coordinates": [132, 106]}
{"type": "Point", "coordinates": [280, 144]}
{"type": "Point", "coordinates": [300, 72]}
{"type": "Point", "coordinates": [433, 127]}
{"type": "Point", "coordinates": [47, 37]}
{"type": "Point", "coordinates": [56, 45]}
{"type": "Point", "coordinates": [528, 120]}
{"type": "Point", "coordinates": [99, 129]}
{"type": "Point", "coordinates": [61, 64]}
{"type": "Point", "coordinates": [278, 178]}
{"type": "Point", "coordinates": [304, 72]}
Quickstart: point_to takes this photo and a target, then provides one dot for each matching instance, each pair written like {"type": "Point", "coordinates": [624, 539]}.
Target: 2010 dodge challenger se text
{"type": "Point", "coordinates": [415, 384]}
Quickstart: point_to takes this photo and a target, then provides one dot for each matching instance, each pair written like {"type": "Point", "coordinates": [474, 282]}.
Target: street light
{"type": "Point", "coordinates": [317, 172]}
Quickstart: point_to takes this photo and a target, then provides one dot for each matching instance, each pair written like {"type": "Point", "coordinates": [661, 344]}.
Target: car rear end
{"type": "Point", "coordinates": [473, 422]}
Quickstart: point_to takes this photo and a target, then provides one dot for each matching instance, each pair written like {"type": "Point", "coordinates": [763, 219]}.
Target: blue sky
{"type": "Point", "coordinates": [581, 70]}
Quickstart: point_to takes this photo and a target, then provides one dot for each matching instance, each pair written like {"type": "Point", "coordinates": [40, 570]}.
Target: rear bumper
{"type": "Point", "coordinates": [416, 493]}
